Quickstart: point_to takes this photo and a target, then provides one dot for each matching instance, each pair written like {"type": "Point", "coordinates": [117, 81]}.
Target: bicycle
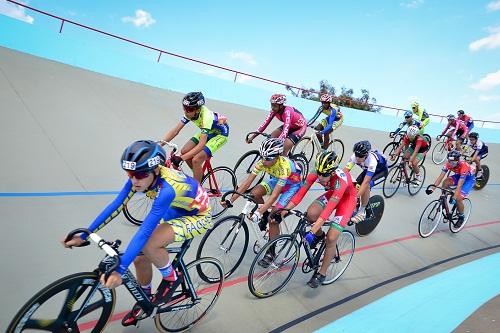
{"type": "Point", "coordinates": [247, 161]}
{"type": "Point", "coordinates": [399, 174]}
{"type": "Point", "coordinates": [228, 239]}
{"type": "Point", "coordinates": [481, 182]}
{"type": "Point", "coordinates": [391, 147]}
{"type": "Point", "coordinates": [66, 303]}
{"type": "Point", "coordinates": [215, 181]}
{"type": "Point", "coordinates": [287, 255]}
{"type": "Point", "coordinates": [442, 148]}
{"type": "Point", "coordinates": [310, 144]}
{"type": "Point", "coordinates": [374, 212]}
{"type": "Point", "coordinates": [438, 209]}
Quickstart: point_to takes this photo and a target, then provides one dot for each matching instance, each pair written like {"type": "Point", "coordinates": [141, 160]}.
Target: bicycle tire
{"type": "Point", "coordinates": [244, 167]}
{"type": "Point", "coordinates": [285, 245]}
{"type": "Point", "coordinates": [338, 147]}
{"type": "Point", "coordinates": [77, 286]}
{"type": "Point", "coordinates": [430, 218]}
{"type": "Point", "coordinates": [467, 211]}
{"type": "Point", "coordinates": [389, 149]}
{"type": "Point", "coordinates": [345, 247]}
{"type": "Point", "coordinates": [481, 182]}
{"type": "Point", "coordinates": [222, 237]}
{"type": "Point", "coordinates": [208, 294]}
{"type": "Point", "coordinates": [305, 146]}
{"type": "Point", "coordinates": [412, 189]}
{"type": "Point", "coordinates": [439, 153]}
{"type": "Point", "coordinates": [225, 180]}
{"type": "Point", "coordinates": [429, 139]}
{"type": "Point", "coordinates": [392, 182]}
{"type": "Point", "coordinates": [374, 212]}
{"type": "Point", "coordinates": [303, 164]}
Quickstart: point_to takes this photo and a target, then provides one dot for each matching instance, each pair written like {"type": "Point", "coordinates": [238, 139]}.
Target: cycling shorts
{"type": "Point", "coordinates": [460, 133]}
{"type": "Point", "coordinates": [287, 192]}
{"type": "Point", "coordinates": [295, 134]}
{"type": "Point", "coordinates": [214, 142]}
{"type": "Point", "coordinates": [342, 213]}
{"type": "Point", "coordinates": [420, 154]}
{"type": "Point", "coordinates": [469, 182]}
{"type": "Point", "coordinates": [483, 152]}
{"type": "Point", "coordinates": [186, 227]}
{"type": "Point", "coordinates": [470, 126]}
{"type": "Point", "coordinates": [380, 172]}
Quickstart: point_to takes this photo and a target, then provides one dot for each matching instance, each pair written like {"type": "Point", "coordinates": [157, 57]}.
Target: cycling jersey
{"type": "Point", "coordinates": [480, 147]}
{"type": "Point", "coordinates": [175, 195]}
{"type": "Point", "coordinates": [209, 122]}
{"type": "Point", "coordinates": [374, 166]}
{"type": "Point", "coordinates": [418, 141]}
{"type": "Point", "coordinates": [292, 120]}
{"type": "Point", "coordinates": [285, 170]}
{"type": "Point", "coordinates": [422, 116]}
{"type": "Point", "coordinates": [468, 121]}
{"type": "Point", "coordinates": [333, 114]}
{"type": "Point", "coordinates": [405, 123]}
{"type": "Point", "coordinates": [463, 171]}
{"type": "Point", "coordinates": [459, 128]}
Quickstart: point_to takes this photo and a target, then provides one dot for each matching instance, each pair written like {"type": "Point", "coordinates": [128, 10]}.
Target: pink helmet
{"type": "Point", "coordinates": [278, 99]}
{"type": "Point", "coordinates": [326, 98]}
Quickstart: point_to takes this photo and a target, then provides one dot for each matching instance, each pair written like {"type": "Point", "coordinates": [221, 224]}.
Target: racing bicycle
{"type": "Point", "coordinates": [309, 145]}
{"type": "Point", "coordinates": [400, 174]}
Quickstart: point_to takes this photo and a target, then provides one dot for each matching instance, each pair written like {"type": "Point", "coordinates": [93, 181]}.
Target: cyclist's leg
{"type": "Point", "coordinates": [464, 192]}
{"type": "Point", "coordinates": [293, 138]}
{"type": "Point", "coordinates": [189, 146]}
{"type": "Point", "coordinates": [286, 195]}
{"type": "Point", "coordinates": [213, 144]}
{"type": "Point", "coordinates": [277, 132]}
{"type": "Point", "coordinates": [321, 126]}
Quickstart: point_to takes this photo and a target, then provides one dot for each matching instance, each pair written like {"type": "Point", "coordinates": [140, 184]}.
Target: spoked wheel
{"type": "Point", "coordinates": [343, 256]}
{"type": "Point", "coordinates": [67, 305]}
{"type": "Point", "coordinates": [481, 182]}
{"type": "Point", "coordinates": [428, 139]}
{"type": "Point", "coordinates": [184, 310]}
{"type": "Point", "coordinates": [338, 147]}
{"type": "Point", "coordinates": [392, 182]}
{"type": "Point", "coordinates": [374, 212]}
{"type": "Point", "coordinates": [439, 153]}
{"type": "Point", "coordinates": [389, 150]}
{"type": "Point", "coordinates": [454, 227]}
{"type": "Point", "coordinates": [430, 218]}
{"type": "Point", "coordinates": [216, 183]}
{"type": "Point", "coordinates": [226, 241]}
{"type": "Point", "coordinates": [305, 146]}
{"type": "Point", "coordinates": [416, 185]}
{"type": "Point", "coordinates": [302, 163]}
{"type": "Point", "coordinates": [138, 207]}
{"type": "Point", "coordinates": [265, 281]}
{"type": "Point", "coordinates": [244, 167]}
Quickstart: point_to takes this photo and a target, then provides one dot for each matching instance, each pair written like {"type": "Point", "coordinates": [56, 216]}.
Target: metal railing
{"type": "Point", "coordinates": [236, 72]}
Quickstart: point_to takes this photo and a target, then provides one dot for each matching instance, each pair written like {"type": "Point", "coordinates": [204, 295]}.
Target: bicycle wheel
{"type": "Point", "coordinates": [302, 163]}
{"type": "Point", "coordinates": [226, 241]}
{"type": "Point", "coordinates": [429, 139]}
{"type": "Point", "coordinates": [481, 182]}
{"type": "Point", "coordinates": [244, 167]}
{"type": "Point", "coordinates": [138, 207]}
{"type": "Point", "coordinates": [439, 153]}
{"type": "Point", "coordinates": [414, 187]}
{"type": "Point", "coordinates": [63, 306]}
{"type": "Point", "coordinates": [338, 147]}
{"type": "Point", "coordinates": [184, 311]}
{"type": "Point", "coordinates": [467, 210]}
{"type": "Point", "coordinates": [392, 182]}
{"type": "Point", "coordinates": [374, 212]}
{"type": "Point", "coordinates": [389, 149]}
{"type": "Point", "coordinates": [217, 182]}
{"type": "Point", "coordinates": [430, 218]}
{"type": "Point", "coordinates": [305, 146]}
{"type": "Point", "coordinates": [343, 256]}
{"type": "Point", "coordinates": [265, 282]}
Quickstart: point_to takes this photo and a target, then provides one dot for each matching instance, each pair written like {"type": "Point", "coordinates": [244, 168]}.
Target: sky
{"type": "Point", "coordinates": [444, 54]}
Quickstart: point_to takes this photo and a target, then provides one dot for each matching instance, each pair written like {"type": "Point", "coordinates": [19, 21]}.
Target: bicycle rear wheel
{"type": "Point", "coordinates": [266, 281]}
{"type": "Point", "coordinates": [184, 311]}
{"type": "Point", "coordinates": [439, 153]}
{"type": "Point", "coordinates": [389, 149]}
{"type": "Point", "coordinates": [392, 182]}
{"type": "Point", "coordinates": [338, 147]}
{"type": "Point", "coordinates": [343, 256]}
{"type": "Point", "coordinates": [303, 164]}
{"type": "Point", "coordinates": [414, 187]}
{"type": "Point", "coordinates": [244, 167]}
{"type": "Point", "coordinates": [374, 212]}
{"type": "Point", "coordinates": [56, 306]}
{"type": "Point", "coordinates": [217, 182]}
{"type": "Point", "coordinates": [430, 218]}
{"type": "Point", "coordinates": [467, 209]}
{"type": "Point", "coordinates": [481, 182]}
{"type": "Point", "coordinates": [305, 146]}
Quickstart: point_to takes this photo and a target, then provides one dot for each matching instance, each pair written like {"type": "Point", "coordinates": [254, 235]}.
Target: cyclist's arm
{"type": "Point", "coordinates": [370, 171]}
{"type": "Point", "coordinates": [313, 119]}
{"type": "Point", "coordinates": [400, 127]}
{"type": "Point", "coordinates": [297, 198]}
{"type": "Point", "coordinates": [287, 120]}
{"type": "Point", "coordinates": [445, 129]}
{"type": "Point", "coordinates": [401, 146]}
{"type": "Point", "coordinates": [334, 200]}
{"type": "Point", "coordinates": [170, 135]}
{"type": "Point", "coordinates": [420, 113]}
{"type": "Point", "coordinates": [266, 122]}
{"type": "Point", "coordinates": [441, 176]}
{"type": "Point", "coordinates": [272, 198]}
{"type": "Point", "coordinates": [199, 147]}
{"type": "Point", "coordinates": [330, 120]}
{"type": "Point", "coordinates": [424, 122]}
{"type": "Point", "coordinates": [244, 186]}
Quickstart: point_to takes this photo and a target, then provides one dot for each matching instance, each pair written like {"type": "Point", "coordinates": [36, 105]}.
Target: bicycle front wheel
{"type": "Point", "coordinates": [74, 303]}
{"type": "Point", "coordinates": [303, 164]}
{"type": "Point", "coordinates": [343, 255]}
{"type": "Point", "coordinates": [439, 153]}
{"type": "Point", "coordinates": [138, 207]}
{"type": "Point", "coordinates": [467, 209]}
{"type": "Point", "coordinates": [430, 218]}
{"type": "Point", "coordinates": [266, 280]}
{"type": "Point", "coordinates": [392, 182]}
{"type": "Point", "coordinates": [305, 146]}
{"type": "Point", "coordinates": [415, 185]}
{"type": "Point", "coordinates": [244, 167]}
{"type": "Point", "coordinates": [218, 182]}
{"type": "Point", "coordinates": [389, 150]}
{"type": "Point", "coordinates": [226, 241]}
{"type": "Point", "coordinates": [338, 147]}
{"type": "Point", "coordinates": [187, 309]}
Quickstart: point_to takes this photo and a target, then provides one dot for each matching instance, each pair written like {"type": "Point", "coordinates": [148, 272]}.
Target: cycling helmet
{"type": "Point", "coordinates": [473, 135]}
{"type": "Point", "coordinates": [326, 162]}
{"type": "Point", "coordinates": [271, 148]}
{"type": "Point", "coordinates": [460, 112]}
{"type": "Point", "coordinates": [278, 99]}
{"type": "Point", "coordinates": [450, 117]}
{"type": "Point", "coordinates": [454, 156]}
{"type": "Point", "coordinates": [414, 105]}
{"type": "Point", "coordinates": [326, 98]}
{"type": "Point", "coordinates": [408, 114]}
{"type": "Point", "coordinates": [362, 148]}
{"type": "Point", "coordinates": [193, 99]}
{"type": "Point", "coordinates": [143, 155]}
{"type": "Point", "coordinates": [412, 131]}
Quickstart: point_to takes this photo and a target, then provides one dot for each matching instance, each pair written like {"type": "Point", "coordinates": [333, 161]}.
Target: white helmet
{"type": "Point", "coordinates": [271, 148]}
{"type": "Point", "coordinates": [412, 131]}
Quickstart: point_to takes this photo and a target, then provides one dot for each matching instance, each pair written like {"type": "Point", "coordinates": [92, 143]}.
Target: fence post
{"type": "Point", "coordinates": [235, 76]}
{"type": "Point", "coordinates": [159, 56]}
{"type": "Point", "coordinates": [62, 23]}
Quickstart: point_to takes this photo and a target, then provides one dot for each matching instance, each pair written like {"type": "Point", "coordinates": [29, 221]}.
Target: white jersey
{"type": "Point", "coordinates": [370, 162]}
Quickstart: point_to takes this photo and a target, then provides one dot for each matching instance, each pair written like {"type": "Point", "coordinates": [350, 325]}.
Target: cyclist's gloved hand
{"type": "Point", "coordinates": [429, 191]}
{"type": "Point", "coordinates": [452, 201]}
{"type": "Point", "coordinates": [309, 237]}
{"type": "Point", "coordinates": [176, 160]}
{"type": "Point", "coordinates": [256, 217]}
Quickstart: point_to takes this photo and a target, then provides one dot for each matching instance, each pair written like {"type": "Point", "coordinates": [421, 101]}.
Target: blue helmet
{"type": "Point", "coordinates": [408, 114]}
{"type": "Point", "coordinates": [143, 155]}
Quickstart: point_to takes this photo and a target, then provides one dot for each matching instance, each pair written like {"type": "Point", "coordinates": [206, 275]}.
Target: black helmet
{"type": "Point", "coordinates": [193, 99]}
{"type": "Point", "coordinates": [326, 162]}
{"type": "Point", "coordinates": [143, 155]}
{"type": "Point", "coordinates": [473, 135]}
{"type": "Point", "coordinates": [454, 156]}
{"type": "Point", "coordinates": [460, 112]}
{"type": "Point", "coordinates": [362, 148]}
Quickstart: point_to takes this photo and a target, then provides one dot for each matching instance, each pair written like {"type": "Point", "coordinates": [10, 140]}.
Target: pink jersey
{"type": "Point", "coordinates": [292, 120]}
{"type": "Point", "coordinates": [456, 125]}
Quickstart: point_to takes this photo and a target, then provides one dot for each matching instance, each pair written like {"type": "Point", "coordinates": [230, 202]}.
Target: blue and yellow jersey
{"type": "Point", "coordinates": [333, 114]}
{"type": "Point", "coordinates": [285, 170]}
{"type": "Point", "coordinates": [209, 122]}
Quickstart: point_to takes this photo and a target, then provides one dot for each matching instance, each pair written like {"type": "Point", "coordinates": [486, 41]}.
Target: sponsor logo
{"type": "Point", "coordinates": [375, 204]}
{"type": "Point", "coordinates": [25, 318]}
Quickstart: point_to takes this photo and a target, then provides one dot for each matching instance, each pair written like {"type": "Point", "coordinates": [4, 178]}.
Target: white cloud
{"type": "Point", "coordinates": [488, 82]}
{"type": "Point", "coordinates": [494, 5]}
{"type": "Point", "coordinates": [412, 3]}
{"type": "Point", "coordinates": [489, 98]}
{"type": "Point", "coordinates": [490, 42]}
{"type": "Point", "coordinates": [15, 11]}
{"type": "Point", "coordinates": [142, 18]}
{"type": "Point", "coordinates": [243, 56]}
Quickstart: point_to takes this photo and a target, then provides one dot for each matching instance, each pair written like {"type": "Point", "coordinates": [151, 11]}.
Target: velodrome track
{"type": "Point", "coordinates": [62, 131]}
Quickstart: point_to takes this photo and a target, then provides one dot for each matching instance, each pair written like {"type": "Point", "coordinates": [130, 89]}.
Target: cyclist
{"type": "Point", "coordinates": [416, 146]}
{"type": "Point", "coordinates": [294, 124]}
{"type": "Point", "coordinates": [213, 135]}
{"type": "Point", "coordinates": [374, 166]}
{"type": "Point", "coordinates": [480, 150]}
{"type": "Point", "coordinates": [180, 211]}
{"type": "Point", "coordinates": [458, 130]}
{"type": "Point", "coordinates": [340, 196]}
{"type": "Point", "coordinates": [422, 115]}
{"type": "Point", "coordinates": [463, 179]}
{"type": "Point", "coordinates": [466, 119]}
{"type": "Point", "coordinates": [407, 122]}
{"type": "Point", "coordinates": [284, 182]}
{"type": "Point", "coordinates": [334, 118]}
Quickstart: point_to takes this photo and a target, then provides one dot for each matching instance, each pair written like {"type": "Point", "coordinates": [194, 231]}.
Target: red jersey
{"type": "Point", "coordinates": [463, 169]}
{"type": "Point", "coordinates": [419, 140]}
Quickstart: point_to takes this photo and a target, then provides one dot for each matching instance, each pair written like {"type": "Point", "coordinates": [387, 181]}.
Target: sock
{"type": "Point", "coordinates": [361, 209]}
{"type": "Point", "coordinates": [168, 272]}
{"type": "Point", "coordinates": [147, 289]}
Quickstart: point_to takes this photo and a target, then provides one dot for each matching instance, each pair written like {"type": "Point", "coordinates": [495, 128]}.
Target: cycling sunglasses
{"type": "Point", "coordinates": [188, 109]}
{"type": "Point", "coordinates": [138, 174]}
{"type": "Point", "coordinates": [323, 174]}
{"type": "Point", "coordinates": [359, 156]}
